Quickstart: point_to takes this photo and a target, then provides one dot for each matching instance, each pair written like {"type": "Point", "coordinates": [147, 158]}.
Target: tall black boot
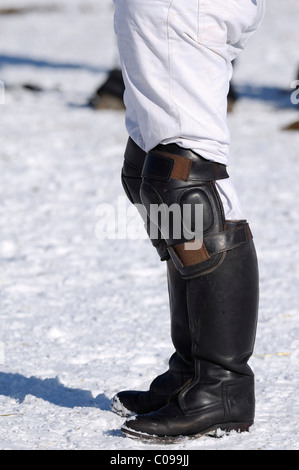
{"type": "Point", "coordinates": [180, 369]}
{"type": "Point", "coordinates": [222, 302]}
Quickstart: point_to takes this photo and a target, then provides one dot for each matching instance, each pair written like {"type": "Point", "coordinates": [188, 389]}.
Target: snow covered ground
{"type": "Point", "coordinates": [83, 317]}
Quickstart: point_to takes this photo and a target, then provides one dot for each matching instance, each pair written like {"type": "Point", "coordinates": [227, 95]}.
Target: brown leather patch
{"type": "Point", "coordinates": [189, 257]}
{"type": "Point", "coordinates": [181, 167]}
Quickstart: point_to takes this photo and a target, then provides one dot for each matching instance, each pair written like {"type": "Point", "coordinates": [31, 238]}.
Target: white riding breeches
{"type": "Point", "coordinates": [176, 57]}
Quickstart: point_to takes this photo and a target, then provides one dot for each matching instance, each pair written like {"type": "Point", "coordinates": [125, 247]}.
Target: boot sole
{"type": "Point", "coordinates": [216, 431]}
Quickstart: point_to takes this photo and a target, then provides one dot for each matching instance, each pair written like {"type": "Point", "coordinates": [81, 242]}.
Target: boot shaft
{"type": "Point", "coordinates": [223, 311]}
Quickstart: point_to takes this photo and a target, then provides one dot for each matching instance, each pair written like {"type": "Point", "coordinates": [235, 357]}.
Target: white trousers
{"type": "Point", "coordinates": [176, 59]}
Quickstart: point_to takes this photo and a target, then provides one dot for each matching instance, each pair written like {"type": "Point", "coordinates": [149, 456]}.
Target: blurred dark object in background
{"type": "Point", "coordinates": [29, 9]}
{"type": "Point", "coordinates": [110, 94]}
{"type": "Point", "coordinates": [231, 98]}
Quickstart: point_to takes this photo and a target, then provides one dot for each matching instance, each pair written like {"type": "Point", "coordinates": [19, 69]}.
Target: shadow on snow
{"type": "Point", "coordinates": [21, 61]}
{"type": "Point", "coordinates": [280, 98]}
{"type": "Point", "coordinates": [18, 386]}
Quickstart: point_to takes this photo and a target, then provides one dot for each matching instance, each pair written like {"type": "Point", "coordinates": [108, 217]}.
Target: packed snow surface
{"type": "Point", "coordinates": [84, 316]}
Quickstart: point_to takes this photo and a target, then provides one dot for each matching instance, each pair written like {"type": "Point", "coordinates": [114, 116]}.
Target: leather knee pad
{"type": "Point", "coordinates": [177, 178]}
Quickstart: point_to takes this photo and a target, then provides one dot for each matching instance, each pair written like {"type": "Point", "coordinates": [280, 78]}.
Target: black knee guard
{"type": "Point", "coordinates": [173, 176]}
{"type": "Point", "coordinates": [131, 180]}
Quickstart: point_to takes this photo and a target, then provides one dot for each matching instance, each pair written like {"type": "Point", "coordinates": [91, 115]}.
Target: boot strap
{"type": "Point", "coordinates": [181, 164]}
{"type": "Point", "coordinates": [184, 256]}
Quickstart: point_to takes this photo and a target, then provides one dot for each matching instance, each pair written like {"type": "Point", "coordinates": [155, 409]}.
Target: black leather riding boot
{"type": "Point", "coordinates": [221, 279]}
{"type": "Point", "coordinates": [180, 369]}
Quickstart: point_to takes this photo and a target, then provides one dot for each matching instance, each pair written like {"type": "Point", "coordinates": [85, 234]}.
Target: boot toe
{"type": "Point", "coordinates": [126, 403]}
{"type": "Point", "coordinates": [159, 424]}
{"type": "Point", "coordinates": [143, 426]}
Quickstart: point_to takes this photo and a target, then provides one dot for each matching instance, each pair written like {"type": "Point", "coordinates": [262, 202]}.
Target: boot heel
{"type": "Point", "coordinates": [224, 430]}
{"type": "Point", "coordinates": [239, 427]}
